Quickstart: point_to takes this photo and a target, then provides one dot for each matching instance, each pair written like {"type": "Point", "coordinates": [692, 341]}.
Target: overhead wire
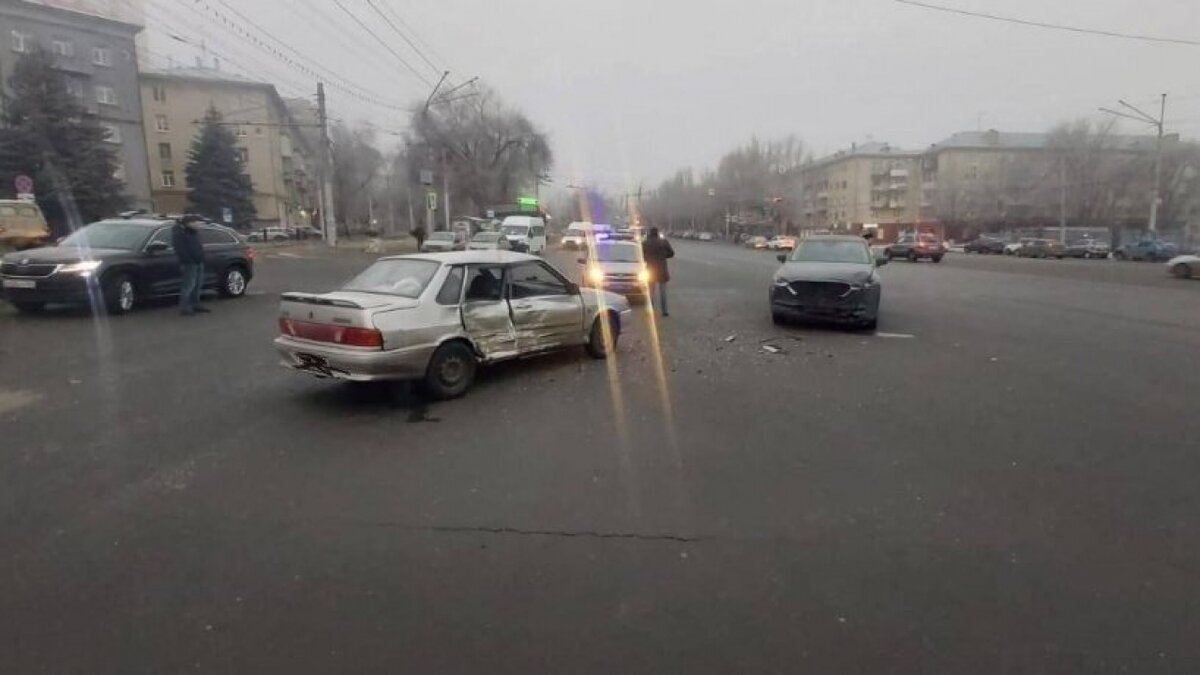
{"type": "Point", "coordinates": [1051, 26]}
{"type": "Point", "coordinates": [404, 37]}
{"type": "Point", "coordinates": [415, 33]}
{"type": "Point", "coordinates": [381, 41]}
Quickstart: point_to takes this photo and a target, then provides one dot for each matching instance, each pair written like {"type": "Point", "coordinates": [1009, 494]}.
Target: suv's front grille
{"type": "Point", "coordinates": [30, 270]}
{"type": "Point", "coordinates": [820, 290]}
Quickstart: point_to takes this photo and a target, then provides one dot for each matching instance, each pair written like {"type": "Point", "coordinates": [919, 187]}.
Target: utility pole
{"type": "Point", "coordinates": [391, 204]}
{"type": "Point", "coordinates": [1062, 200]}
{"type": "Point", "coordinates": [1158, 123]}
{"type": "Point", "coordinates": [446, 190]}
{"type": "Point", "coordinates": [325, 171]}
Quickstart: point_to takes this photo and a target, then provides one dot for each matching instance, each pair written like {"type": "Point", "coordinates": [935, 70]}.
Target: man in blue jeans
{"type": "Point", "coordinates": [190, 252]}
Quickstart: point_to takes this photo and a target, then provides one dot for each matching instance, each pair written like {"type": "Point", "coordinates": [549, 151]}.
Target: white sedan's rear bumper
{"type": "Point", "coordinates": [348, 363]}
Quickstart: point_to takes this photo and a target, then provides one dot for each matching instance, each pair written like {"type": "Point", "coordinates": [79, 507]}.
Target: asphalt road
{"type": "Point", "coordinates": [1002, 480]}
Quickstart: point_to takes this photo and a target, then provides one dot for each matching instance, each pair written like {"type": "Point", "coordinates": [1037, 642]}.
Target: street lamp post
{"type": "Point", "coordinates": [1140, 116]}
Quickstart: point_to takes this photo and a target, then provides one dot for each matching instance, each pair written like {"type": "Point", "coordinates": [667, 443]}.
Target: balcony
{"type": "Point", "coordinates": [898, 173]}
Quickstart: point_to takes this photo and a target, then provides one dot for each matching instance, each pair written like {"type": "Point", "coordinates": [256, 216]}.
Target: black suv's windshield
{"type": "Point", "coordinates": [832, 252]}
{"type": "Point", "coordinates": [114, 234]}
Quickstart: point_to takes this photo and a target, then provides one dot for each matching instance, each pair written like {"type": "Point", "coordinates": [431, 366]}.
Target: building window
{"type": "Point", "coordinates": [241, 132]}
{"type": "Point", "coordinates": [75, 88]}
{"type": "Point", "coordinates": [114, 132]}
{"type": "Point", "coordinates": [161, 123]}
{"type": "Point", "coordinates": [244, 155]}
{"type": "Point", "coordinates": [102, 56]}
{"type": "Point", "coordinates": [106, 95]}
{"type": "Point", "coordinates": [21, 42]}
{"type": "Point", "coordinates": [159, 92]}
{"type": "Point", "coordinates": [168, 179]}
{"type": "Point", "coordinates": [164, 151]}
{"type": "Point", "coordinates": [63, 48]}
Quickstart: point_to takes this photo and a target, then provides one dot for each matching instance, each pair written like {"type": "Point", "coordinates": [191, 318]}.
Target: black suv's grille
{"type": "Point", "coordinates": [30, 270]}
{"type": "Point", "coordinates": [820, 290]}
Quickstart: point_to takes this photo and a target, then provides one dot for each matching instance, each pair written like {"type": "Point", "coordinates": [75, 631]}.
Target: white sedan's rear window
{"type": "Point", "coordinates": [404, 277]}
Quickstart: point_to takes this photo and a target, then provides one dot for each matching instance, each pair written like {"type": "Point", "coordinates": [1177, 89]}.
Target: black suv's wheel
{"type": "Point", "coordinates": [120, 293]}
{"type": "Point", "coordinates": [451, 371]}
{"type": "Point", "coordinates": [912, 256]}
{"type": "Point", "coordinates": [937, 258]}
{"type": "Point", "coordinates": [596, 346]}
{"type": "Point", "coordinates": [233, 283]}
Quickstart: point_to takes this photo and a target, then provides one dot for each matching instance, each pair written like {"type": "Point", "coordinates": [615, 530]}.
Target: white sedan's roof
{"type": "Point", "coordinates": [495, 256]}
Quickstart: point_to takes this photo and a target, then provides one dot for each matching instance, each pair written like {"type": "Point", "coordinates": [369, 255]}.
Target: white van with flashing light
{"type": "Point", "coordinates": [526, 233]}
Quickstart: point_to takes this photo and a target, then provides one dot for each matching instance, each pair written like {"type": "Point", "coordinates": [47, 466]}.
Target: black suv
{"type": "Point", "coordinates": [121, 262]}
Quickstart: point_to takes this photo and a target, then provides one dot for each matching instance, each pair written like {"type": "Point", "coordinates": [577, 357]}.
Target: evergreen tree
{"type": "Point", "coordinates": [50, 137]}
{"type": "Point", "coordinates": [216, 174]}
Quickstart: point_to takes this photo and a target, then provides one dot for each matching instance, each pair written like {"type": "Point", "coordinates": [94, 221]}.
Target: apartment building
{"type": "Point", "coordinates": [97, 57]}
{"type": "Point", "coordinates": [869, 183]}
{"type": "Point", "coordinates": [278, 158]}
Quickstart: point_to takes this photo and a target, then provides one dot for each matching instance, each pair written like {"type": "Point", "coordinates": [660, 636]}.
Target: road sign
{"type": "Point", "coordinates": [426, 177]}
{"type": "Point", "coordinates": [527, 202]}
{"type": "Point", "coordinates": [491, 213]}
{"type": "Point", "coordinates": [227, 215]}
{"type": "Point", "coordinates": [23, 183]}
{"type": "Point", "coordinates": [431, 200]}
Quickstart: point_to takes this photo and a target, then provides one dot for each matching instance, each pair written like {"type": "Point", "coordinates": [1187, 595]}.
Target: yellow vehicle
{"type": "Point", "coordinates": [22, 225]}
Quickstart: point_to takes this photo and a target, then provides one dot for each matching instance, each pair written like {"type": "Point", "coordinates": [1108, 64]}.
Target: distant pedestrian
{"type": "Point", "coordinates": [186, 241]}
{"type": "Point", "coordinates": [656, 250]}
{"type": "Point", "coordinates": [418, 233]}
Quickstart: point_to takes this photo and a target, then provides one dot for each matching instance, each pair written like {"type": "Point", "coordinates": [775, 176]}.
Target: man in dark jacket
{"type": "Point", "coordinates": [190, 251]}
{"type": "Point", "coordinates": [656, 250]}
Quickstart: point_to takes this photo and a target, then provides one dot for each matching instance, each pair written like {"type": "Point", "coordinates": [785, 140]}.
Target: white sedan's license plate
{"type": "Point", "coordinates": [19, 283]}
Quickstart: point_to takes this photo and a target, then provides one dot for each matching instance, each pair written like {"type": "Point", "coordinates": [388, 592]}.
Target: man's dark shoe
{"type": "Point", "coordinates": [200, 309]}
{"type": "Point", "coordinates": [186, 312]}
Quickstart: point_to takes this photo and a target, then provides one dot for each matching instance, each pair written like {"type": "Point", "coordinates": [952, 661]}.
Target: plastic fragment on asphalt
{"type": "Point", "coordinates": [731, 338]}
{"type": "Point", "coordinates": [994, 359]}
{"type": "Point", "coordinates": [772, 349]}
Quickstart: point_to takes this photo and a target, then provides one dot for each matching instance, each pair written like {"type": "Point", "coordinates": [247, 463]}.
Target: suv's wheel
{"type": "Point", "coordinates": [596, 346]}
{"type": "Point", "coordinates": [233, 284]}
{"type": "Point", "coordinates": [120, 293]}
{"type": "Point", "coordinates": [912, 256]}
{"type": "Point", "coordinates": [451, 371]}
{"type": "Point", "coordinates": [937, 258]}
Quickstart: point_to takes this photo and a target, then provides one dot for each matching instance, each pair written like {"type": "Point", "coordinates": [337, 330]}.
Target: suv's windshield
{"type": "Point", "coordinates": [832, 252]}
{"type": "Point", "coordinates": [114, 234]}
{"type": "Point", "coordinates": [407, 278]}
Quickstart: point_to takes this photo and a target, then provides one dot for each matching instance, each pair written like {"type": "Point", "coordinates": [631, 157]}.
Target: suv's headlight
{"type": "Point", "coordinates": [84, 267]}
{"type": "Point", "coordinates": [596, 275]}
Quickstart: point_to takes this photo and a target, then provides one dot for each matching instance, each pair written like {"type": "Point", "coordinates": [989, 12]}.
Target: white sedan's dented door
{"type": "Point", "coordinates": [546, 311]}
{"type": "Point", "coordinates": [485, 312]}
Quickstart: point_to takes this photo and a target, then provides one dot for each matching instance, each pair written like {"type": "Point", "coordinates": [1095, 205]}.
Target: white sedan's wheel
{"type": "Point", "coordinates": [1182, 271]}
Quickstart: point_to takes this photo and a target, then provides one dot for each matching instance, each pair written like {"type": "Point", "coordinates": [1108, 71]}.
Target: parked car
{"type": "Point", "coordinates": [22, 225]}
{"type": "Point", "coordinates": [269, 234]}
{"type": "Point", "coordinates": [917, 247]}
{"type": "Point", "coordinates": [442, 241]}
{"type": "Point", "coordinates": [1087, 249]}
{"type": "Point", "coordinates": [435, 317]}
{"type": "Point", "coordinates": [1015, 247]}
{"type": "Point", "coordinates": [305, 232]}
{"type": "Point", "coordinates": [1184, 266]}
{"type": "Point", "coordinates": [756, 242]}
{"type": "Point", "coordinates": [1150, 250]}
{"type": "Point", "coordinates": [618, 267]}
{"type": "Point", "coordinates": [1042, 248]}
{"type": "Point", "coordinates": [624, 234]}
{"type": "Point", "coordinates": [489, 241]}
{"type": "Point", "coordinates": [831, 278]}
{"type": "Point", "coordinates": [123, 261]}
{"type": "Point", "coordinates": [985, 245]}
{"type": "Point", "coordinates": [705, 236]}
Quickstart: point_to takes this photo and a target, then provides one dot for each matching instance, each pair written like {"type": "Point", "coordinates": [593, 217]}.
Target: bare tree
{"type": "Point", "coordinates": [357, 164]}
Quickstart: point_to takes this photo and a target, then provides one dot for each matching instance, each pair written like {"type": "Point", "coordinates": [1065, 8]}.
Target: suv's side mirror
{"type": "Point", "coordinates": [156, 247]}
{"type": "Point", "coordinates": [782, 257]}
{"type": "Point", "coordinates": [881, 260]}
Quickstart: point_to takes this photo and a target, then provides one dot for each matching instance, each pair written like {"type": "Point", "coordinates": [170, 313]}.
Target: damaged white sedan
{"type": "Point", "coordinates": [436, 317]}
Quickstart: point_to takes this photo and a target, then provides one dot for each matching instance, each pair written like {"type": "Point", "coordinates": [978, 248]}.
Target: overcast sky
{"type": "Point", "coordinates": [631, 89]}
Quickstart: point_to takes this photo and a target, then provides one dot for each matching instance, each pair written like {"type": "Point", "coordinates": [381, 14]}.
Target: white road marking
{"type": "Point", "coordinates": [283, 254]}
{"type": "Point", "coordinates": [12, 399]}
{"type": "Point", "coordinates": [902, 336]}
